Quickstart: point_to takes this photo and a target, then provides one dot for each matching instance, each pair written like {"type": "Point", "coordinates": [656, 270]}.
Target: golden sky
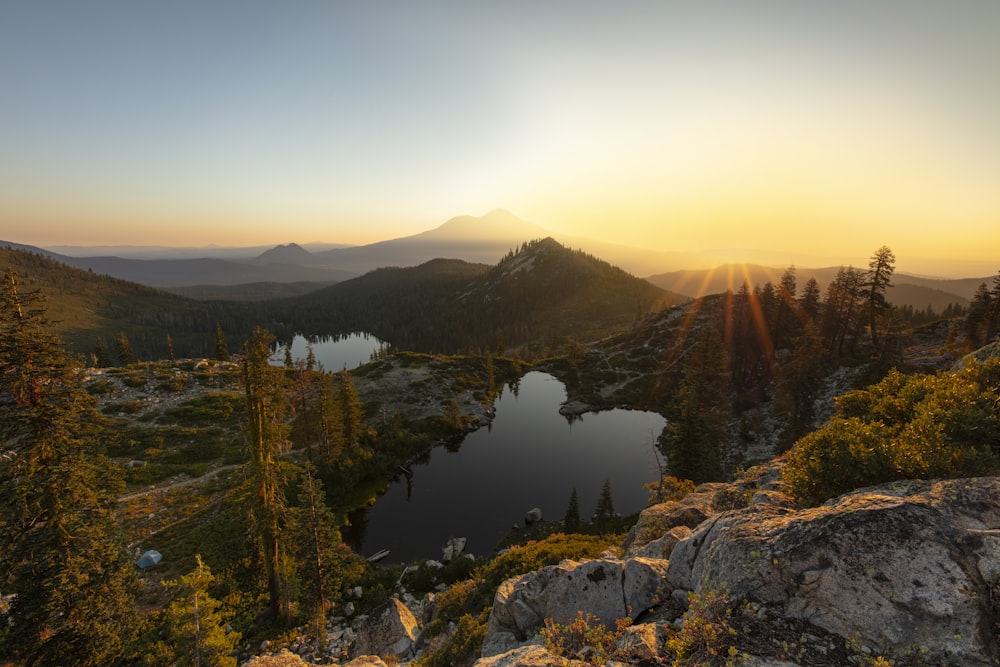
{"type": "Point", "coordinates": [806, 130]}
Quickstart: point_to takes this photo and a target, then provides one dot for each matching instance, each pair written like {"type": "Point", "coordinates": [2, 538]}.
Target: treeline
{"type": "Point", "coordinates": [777, 343]}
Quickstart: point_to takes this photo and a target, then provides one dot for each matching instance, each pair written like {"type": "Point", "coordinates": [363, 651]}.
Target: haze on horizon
{"type": "Point", "coordinates": [811, 134]}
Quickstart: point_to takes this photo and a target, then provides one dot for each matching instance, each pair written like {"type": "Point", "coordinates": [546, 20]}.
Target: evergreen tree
{"type": "Point", "coordinates": [880, 269]}
{"type": "Point", "coordinates": [323, 560]}
{"type": "Point", "coordinates": [221, 349]}
{"type": "Point", "coordinates": [123, 350]}
{"type": "Point", "coordinates": [62, 555]}
{"type": "Point", "coordinates": [993, 314]}
{"type": "Point", "coordinates": [571, 522]}
{"type": "Point", "coordinates": [810, 300]}
{"type": "Point", "coordinates": [195, 626]}
{"type": "Point", "coordinates": [265, 436]}
{"type": "Point", "coordinates": [170, 348]}
{"type": "Point", "coordinates": [605, 511]}
{"type": "Point", "coordinates": [978, 315]}
{"type": "Point", "coordinates": [352, 425]}
{"type": "Point", "coordinates": [798, 384]}
{"type": "Point", "coordinates": [317, 415]}
{"type": "Point", "coordinates": [698, 425]}
{"type": "Point", "coordinates": [102, 358]}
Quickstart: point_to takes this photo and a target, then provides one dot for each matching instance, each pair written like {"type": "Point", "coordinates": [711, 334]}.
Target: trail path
{"type": "Point", "coordinates": [184, 482]}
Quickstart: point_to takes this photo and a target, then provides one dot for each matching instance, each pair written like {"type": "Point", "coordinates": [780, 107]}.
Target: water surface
{"type": "Point", "coordinates": [530, 457]}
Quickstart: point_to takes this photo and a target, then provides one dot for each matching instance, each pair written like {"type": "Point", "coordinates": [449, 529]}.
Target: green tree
{"type": "Point", "coordinates": [877, 281]}
{"type": "Point", "coordinates": [798, 384]}
{"type": "Point", "coordinates": [977, 318]}
{"type": "Point", "coordinates": [571, 522]}
{"type": "Point", "coordinates": [352, 425]}
{"type": "Point", "coordinates": [221, 348]}
{"type": "Point", "coordinates": [265, 434]}
{"type": "Point", "coordinates": [317, 415]}
{"type": "Point", "coordinates": [324, 562]}
{"type": "Point", "coordinates": [605, 511]}
{"type": "Point", "coordinates": [195, 625]}
{"type": "Point", "coordinates": [123, 350]}
{"type": "Point", "coordinates": [62, 555]}
{"type": "Point", "coordinates": [694, 436]}
{"type": "Point", "coordinates": [810, 300]}
{"type": "Point", "coordinates": [102, 358]}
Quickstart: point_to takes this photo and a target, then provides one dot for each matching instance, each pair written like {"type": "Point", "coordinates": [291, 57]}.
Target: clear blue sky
{"type": "Point", "coordinates": [778, 125]}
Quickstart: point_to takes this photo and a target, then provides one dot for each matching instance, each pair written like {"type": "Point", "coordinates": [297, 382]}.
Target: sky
{"type": "Point", "coordinates": [802, 129]}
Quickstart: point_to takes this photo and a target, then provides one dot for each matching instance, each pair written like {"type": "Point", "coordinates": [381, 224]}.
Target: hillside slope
{"type": "Point", "coordinates": [538, 296]}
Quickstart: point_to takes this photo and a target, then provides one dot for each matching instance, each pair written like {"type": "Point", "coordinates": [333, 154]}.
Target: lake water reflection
{"type": "Point", "coordinates": [530, 457]}
{"type": "Point", "coordinates": [334, 352]}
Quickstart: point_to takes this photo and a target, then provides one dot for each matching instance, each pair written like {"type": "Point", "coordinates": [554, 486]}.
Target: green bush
{"type": "Point", "coordinates": [905, 427]}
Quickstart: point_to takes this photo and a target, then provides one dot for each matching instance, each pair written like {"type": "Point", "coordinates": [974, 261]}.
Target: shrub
{"type": "Point", "coordinates": [707, 636]}
{"type": "Point", "coordinates": [584, 638]}
{"type": "Point", "coordinates": [932, 426]}
{"type": "Point", "coordinates": [536, 555]}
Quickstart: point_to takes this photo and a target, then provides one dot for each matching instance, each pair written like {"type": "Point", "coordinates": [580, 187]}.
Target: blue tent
{"type": "Point", "coordinates": [149, 559]}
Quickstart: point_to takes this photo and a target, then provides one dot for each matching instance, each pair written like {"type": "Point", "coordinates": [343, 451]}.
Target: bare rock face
{"type": "Point", "coordinates": [390, 629]}
{"type": "Point", "coordinates": [900, 567]}
{"type": "Point", "coordinates": [608, 589]}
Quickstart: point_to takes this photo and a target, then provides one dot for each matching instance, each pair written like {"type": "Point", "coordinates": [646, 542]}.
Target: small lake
{"type": "Point", "coordinates": [531, 457]}
{"type": "Point", "coordinates": [334, 352]}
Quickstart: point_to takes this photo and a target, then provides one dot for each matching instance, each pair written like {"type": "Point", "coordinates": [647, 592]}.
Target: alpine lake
{"type": "Point", "coordinates": [530, 456]}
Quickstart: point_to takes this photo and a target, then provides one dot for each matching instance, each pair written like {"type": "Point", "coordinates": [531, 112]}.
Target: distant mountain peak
{"type": "Point", "coordinates": [497, 225]}
{"type": "Point", "coordinates": [290, 253]}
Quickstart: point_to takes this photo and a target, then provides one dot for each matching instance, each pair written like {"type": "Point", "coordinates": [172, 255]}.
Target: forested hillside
{"type": "Point", "coordinates": [540, 296]}
{"type": "Point", "coordinates": [86, 306]}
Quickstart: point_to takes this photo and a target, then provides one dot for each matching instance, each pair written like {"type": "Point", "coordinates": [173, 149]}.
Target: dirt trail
{"type": "Point", "coordinates": [176, 485]}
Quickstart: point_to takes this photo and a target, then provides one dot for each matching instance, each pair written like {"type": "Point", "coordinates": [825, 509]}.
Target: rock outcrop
{"type": "Point", "coordinates": [390, 629]}
{"type": "Point", "coordinates": [900, 567]}
{"type": "Point", "coordinates": [910, 567]}
{"type": "Point", "coordinates": [608, 589]}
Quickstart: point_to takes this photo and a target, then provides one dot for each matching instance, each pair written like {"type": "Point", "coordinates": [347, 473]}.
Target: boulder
{"type": "Point", "coordinates": [657, 520]}
{"type": "Point", "coordinates": [453, 549]}
{"type": "Point", "coordinates": [534, 515]}
{"type": "Point", "coordinates": [390, 629]}
{"type": "Point", "coordinates": [528, 656]}
{"type": "Point", "coordinates": [608, 589]}
{"type": "Point", "coordinates": [903, 566]}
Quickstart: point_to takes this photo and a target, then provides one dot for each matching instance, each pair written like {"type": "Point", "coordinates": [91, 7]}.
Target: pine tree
{"type": "Point", "coordinates": [352, 425]}
{"type": "Point", "coordinates": [697, 429]}
{"type": "Point", "coordinates": [978, 315]}
{"type": "Point", "coordinates": [123, 350]}
{"type": "Point", "coordinates": [324, 562]}
{"type": "Point", "coordinates": [265, 436]}
{"type": "Point", "coordinates": [605, 506]}
{"type": "Point", "coordinates": [810, 299]}
{"type": "Point", "coordinates": [221, 349]}
{"type": "Point", "coordinates": [102, 358]}
{"type": "Point", "coordinates": [195, 626]}
{"type": "Point", "coordinates": [880, 269]}
{"type": "Point", "coordinates": [798, 384]}
{"type": "Point", "coordinates": [571, 522]}
{"type": "Point", "coordinates": [62, 555]}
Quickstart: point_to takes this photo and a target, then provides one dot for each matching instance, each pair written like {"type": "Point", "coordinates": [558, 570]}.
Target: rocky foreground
{"type": "Point", "coordinates": [908, 569]}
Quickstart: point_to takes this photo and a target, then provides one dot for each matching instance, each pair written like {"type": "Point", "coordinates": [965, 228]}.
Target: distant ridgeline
{"type": "Point", "coordinates": [540, 296]}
